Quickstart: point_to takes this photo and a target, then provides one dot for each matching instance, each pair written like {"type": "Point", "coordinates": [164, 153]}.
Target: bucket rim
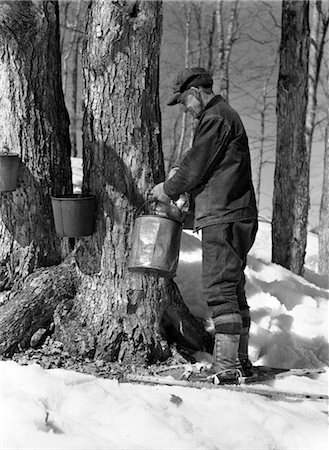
{"type": "Point", "coordinates": [158, 217]}
{"type": "Point", "coordinates": [73, 197]}
{"type": "Point", "coordinates": [4, 154]}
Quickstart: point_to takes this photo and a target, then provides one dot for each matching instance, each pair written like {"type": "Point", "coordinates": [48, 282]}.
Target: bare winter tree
{"type": "Point", "coordinates": [72, 28]}
{"type": "Point", "coordinates": [319, 27]}
{"type": "Point", "coordinates": [263, 136]}
{"type": "Point", "coordinates": [291, 180]}
{"type": "Point", "coordinates": [324, 207]}
{"type": "Point", "coordinates": [71, 47]}
{"type": "Point", "coordinates": [197, 10]}
{"type": "Point", "coordinates": [179, 151]}
{"type": "Point", "coordinates": [210, 42]}
{"type": "Point", "coordinates": [320, 22]}
{"type": "Point", "coordinates": [34, 123]}
{"type": "Point", "coordinates": [223, 26]}
{"type": "Point", "coordinates": [225, 43]}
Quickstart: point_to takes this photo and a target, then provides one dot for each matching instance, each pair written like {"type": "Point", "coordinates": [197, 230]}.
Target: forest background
{"type": "Point", "coordinates": [253, 75]}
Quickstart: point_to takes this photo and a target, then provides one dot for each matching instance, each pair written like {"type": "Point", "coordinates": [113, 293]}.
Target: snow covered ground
{"type": "Point", "coordinates": [58, 409]}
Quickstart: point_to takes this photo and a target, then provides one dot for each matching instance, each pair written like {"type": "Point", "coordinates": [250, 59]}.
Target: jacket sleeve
{"type": "Point", "coordinates": [211, 138]}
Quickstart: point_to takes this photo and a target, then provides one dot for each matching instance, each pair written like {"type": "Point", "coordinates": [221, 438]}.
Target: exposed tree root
{"type": "Point", "coordinates": [32, 307]}
{"type": "Point", "coordinates": [48, 296]}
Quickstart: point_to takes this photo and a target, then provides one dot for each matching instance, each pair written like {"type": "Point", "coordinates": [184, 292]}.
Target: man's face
{"type": "Point", "coordinates": [191, 101]}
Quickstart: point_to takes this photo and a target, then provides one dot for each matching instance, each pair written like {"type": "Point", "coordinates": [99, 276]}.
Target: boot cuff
{"type": "Point", "coordinates": [228, 323]}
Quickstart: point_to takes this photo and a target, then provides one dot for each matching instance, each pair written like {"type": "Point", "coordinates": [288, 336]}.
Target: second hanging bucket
{"type": "Point", "coordinates": [155, 246]}
{"type": "Point", "coordinates": [74, 215]}
{"type": "Point", "coordinates": [9, 163]}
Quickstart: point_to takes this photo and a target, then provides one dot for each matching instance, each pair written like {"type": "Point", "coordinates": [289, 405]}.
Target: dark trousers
{"type": "Point", "coordinates": [224, 254]}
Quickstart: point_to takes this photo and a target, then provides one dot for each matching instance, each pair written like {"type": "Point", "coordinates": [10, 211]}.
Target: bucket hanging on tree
{"type": "Point", "coordinates": [156, 241]}
{"type": "Point", "coordinates": [74, 215]}
{"type": "Point", "coordinates": [9, 163]}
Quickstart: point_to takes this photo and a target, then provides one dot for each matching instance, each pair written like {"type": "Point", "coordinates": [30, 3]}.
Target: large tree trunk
{"type": "Point", "coordinates": [291, 179]}
{"type": "Point", "coordinates": [99, 309]}
{"type": "Point", "coordinates": [33, 123]}
{"type": "Point", "coordinates": [121, 311]}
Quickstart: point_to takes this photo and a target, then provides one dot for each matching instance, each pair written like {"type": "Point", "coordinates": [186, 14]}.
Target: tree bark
{"type": "Point", "coordinates": [318, 39]}
{"type": "Point", "coordinates": [291, 179]}
{"type": "Point", "coordinates": [33, 123]}
{"type": "Point", "coordinates": [98, 307]}
{"type": "Point", "coordinates": [324, 206]}
{"type": "Point", "coordinates": [31, 308]}
{"type": "Point", "coordinates": [197, 9]}
{"type": "Point", "coordinates": [262, 137]}
{"type": "Point", "coordinates": [318, 33]}
{"type": "Point", "coordinates": [225, 43]}
{"type": "Point", "coordinates": [121, 311]}
{"type": "Point", "coordinates": [210, 43]}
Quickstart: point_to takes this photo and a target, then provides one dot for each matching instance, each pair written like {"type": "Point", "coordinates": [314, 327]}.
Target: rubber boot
{"type": "Point", "coordinates": [224, 357]}
{"type": "Point", "coordinates": [243, 363]}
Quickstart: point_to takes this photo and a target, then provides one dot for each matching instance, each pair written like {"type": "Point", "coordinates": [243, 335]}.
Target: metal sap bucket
{"type": "Point", "coordinates": [155, 246]}
{"type": "Point", "coordinates": [9, 163]}
{"type": "Point", "coordinates": [74, 215]}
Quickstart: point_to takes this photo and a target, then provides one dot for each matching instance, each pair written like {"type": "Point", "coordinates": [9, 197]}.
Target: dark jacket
{"type": "Point", "coordinates": [216, 170]}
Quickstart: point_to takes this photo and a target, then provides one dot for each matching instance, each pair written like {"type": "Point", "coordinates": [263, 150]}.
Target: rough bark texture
{"type": "Point", "coordinates": [120, 311]}
{"type": "Point", "coordinates": [33, 123]}
{"type": "Point", "coordinates": [98, 307]}
{"type": "Point", "coordinates": [225, 43]}
{"type": "Point", "coordinates": [324, 209]}
{"type": "Point", "coordinates": [25, 312]}
{"type": "Point", "coordinates": [324, 206]}
{"type": "Point", "coordinates": [291, 179]}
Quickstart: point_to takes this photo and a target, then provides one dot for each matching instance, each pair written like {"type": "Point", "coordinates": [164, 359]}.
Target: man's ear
{"type": "Point", "coordinates": [193, 88]}
{"type": "Point", "coordinates": [197, 92]}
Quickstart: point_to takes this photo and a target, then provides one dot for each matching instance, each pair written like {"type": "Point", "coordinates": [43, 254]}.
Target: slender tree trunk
{"type": "Point", "coordinates": [187, 64]}
{"type": "Point", "coordinates": [225, 43]}
{"type": "Point", "coordinates": [33, 123]}
{"type": "Point", "coordinates": [63, 8]}
{"type": "Point", "coordinates": [313, 74]}
{"type": "Point", "coordinates": [291, 180]}
{"type": "Point", "coordinates": [72, 43]}
{"type": "Point", "coordinates": [324, 207]}
{"type": "Point", "coordinates": [181, 137]}
{"type": "Point", "coordinates": [197, 9]}
{"type": "Point", "coordinates": [75, 97]}
{"type": "Point", "coordinates": [173, 157]}
{"type": "Point", "coordinates": [262, 133]}
{"type": "Point", "coordinates": [211, 38]}
{"type": "Point", "coordinates": [262, 141]}
{"type": "Point", "coordinates": [317, 41]}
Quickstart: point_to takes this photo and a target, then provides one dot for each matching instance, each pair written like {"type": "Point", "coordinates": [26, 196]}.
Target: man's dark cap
{"type": "Point", "coordinates": [195, 76]}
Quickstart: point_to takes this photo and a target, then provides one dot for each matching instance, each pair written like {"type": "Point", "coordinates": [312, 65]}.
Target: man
{"type": "Point", "coordinates": [216, 171]}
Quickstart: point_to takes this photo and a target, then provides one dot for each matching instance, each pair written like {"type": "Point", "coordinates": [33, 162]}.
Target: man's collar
{"type": "Point", "coordinates": [211, 102]}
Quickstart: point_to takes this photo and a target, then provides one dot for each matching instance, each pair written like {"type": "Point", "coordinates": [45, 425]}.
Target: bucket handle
{"type": "Point", "coordinates": [149, 200]}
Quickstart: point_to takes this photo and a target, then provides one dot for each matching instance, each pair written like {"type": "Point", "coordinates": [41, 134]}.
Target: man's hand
{"type": "Point", "coordinates": [172, 171]}
{"type": "Point", "coordinates": [158, 193]}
